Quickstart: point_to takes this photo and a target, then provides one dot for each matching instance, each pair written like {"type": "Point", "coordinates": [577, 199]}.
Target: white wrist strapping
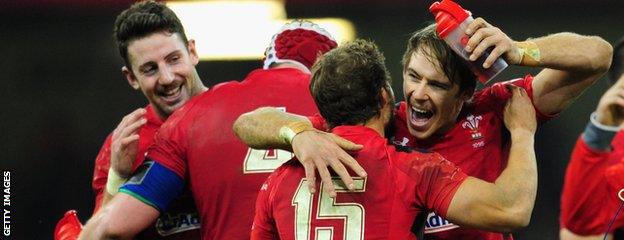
{"type": "Point", "coordinates": [113, 182]}
{"type": "Point", "coordinates": [289, 131]}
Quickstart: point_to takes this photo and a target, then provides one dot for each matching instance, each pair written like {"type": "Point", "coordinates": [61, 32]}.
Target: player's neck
{"type": "Point", "coordinates": [299, 66]}
{"type": "Point", "coordinates": [377, 124]}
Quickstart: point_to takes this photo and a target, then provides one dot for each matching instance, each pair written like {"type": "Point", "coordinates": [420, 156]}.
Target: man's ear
{"type": "Point", "coordinates": [193, 52]}
{"type": "Point", "coordinates": [384, 96]}
{"type": "Point", "coordinates": [467, 94]}
{"type": "Point", "coordinates": [387, 94]}
{"type": "Point", "coordinates": [132, 80]}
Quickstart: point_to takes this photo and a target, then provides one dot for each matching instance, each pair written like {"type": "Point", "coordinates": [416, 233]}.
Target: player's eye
{"type": "Point", "coordinates": [148, 71]}
{"type": "Point", "coordinates": [174, 59]}
{"type": "Point", "coordinates": [439, 85]}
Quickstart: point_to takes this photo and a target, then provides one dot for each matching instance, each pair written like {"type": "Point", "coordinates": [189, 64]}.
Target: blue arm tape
{"type": "Point", "coordinates": [598, 136]}
{"type": "Point", "coordinates": [154, 184]}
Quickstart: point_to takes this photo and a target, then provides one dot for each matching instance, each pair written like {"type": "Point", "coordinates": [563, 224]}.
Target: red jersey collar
{"type": "Point", "coordinates": [356, 130]}
{"type": "Point", "coordinates": [151, 116]}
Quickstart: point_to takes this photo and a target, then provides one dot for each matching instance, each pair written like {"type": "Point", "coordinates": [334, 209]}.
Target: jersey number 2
{"type": "Point", "coordinates": [351, 213]}
{"type": "Point", "coordinates": [265, 161]}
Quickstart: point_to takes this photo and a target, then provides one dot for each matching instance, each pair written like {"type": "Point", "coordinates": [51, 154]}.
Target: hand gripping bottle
{"type": "Point", "coordinates": [452, 21]}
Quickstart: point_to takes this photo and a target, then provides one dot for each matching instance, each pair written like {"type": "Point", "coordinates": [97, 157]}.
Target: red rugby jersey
{"type": "Point", "coordinates": [181, 221]}
{"type": "Point", "coordinates": [198, 144]}
{"type": "Point", "coordinates": [399, 187]}
{"type": "Point", "coordinates": [593, 179]}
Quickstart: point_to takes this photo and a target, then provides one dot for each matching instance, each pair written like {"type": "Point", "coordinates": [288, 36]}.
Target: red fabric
{"type": "Point", "coordinates": [318, 122]}
{"type": "Point", "coordinates": [182, 210]}
{"type": "Point", "coordinates": [197, 142]}
{"type": "Point", "coordinates": [399, 187]}
{"type": "Point", "coordinates": [592, 181]}
{"type": "Point", "coordinates": [69, 227]}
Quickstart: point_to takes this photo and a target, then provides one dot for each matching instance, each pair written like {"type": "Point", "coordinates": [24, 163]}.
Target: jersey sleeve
{"type": "Point", "coordinates": [498, 94]}
{"type": "Point", "coordinates": [437, 180]}
{"type": "Point", "coordinates": [264, 226]}
{"type": "Point", "coordinates": [171, 143]}
{"type": "Point", "coordinates": [100, 172]}
{"type": "Point", "coordinates": [318, 122]}
{"type": "Point", "coordinates": [154, 185]}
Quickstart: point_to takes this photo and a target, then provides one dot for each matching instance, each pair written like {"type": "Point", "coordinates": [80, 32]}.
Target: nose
{"type": "Point", "coordinates": [166, 75]}
{"type": "Point", "coordinates": [420, 91]}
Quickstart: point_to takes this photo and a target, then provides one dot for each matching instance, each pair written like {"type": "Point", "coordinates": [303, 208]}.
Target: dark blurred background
{"type": "Point", "coordinates": [63, 90]}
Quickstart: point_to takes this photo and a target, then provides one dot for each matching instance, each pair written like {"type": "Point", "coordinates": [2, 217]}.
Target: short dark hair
{"type": "Point", "coordinates": [617, 63]}
{"type": "Point", "coordinates": [347, 83]}
{"type": "Point", "coordinates": [143, 19]}
{"type": "Point", "coordinates": [440, 54]}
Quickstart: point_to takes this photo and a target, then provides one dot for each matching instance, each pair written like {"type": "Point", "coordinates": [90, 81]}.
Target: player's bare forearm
{"type": "Point", "coordinates": [260, 128]}
{"type": "Point", "coordinates": [571, 64]}
{"type": "Point", "coordinates": [96, 227]}
{"type": "Point", "coordinates": [106, 198]}
{"type": "Point", "coordinates": [572, 52]}
{"type": "Point", "coordinates": [505, 205]}
{"type": "Point", "coordinates": [113, 221]}
{"type": "Point", "coordinates": [316, 150]}
{"type": "Point", "coordinates": [518, 182]}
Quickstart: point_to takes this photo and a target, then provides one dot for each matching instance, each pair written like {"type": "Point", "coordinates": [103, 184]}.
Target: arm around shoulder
{"type": "Point", "coordinates": [506, 204]}
{"type": "Point", "coordinates": [260, 128]}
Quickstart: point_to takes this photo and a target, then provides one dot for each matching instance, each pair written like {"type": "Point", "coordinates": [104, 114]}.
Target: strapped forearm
{"type": "Point", "coordinates": [260, 128]}
{"type": "Point", "coordinates": [569, 52]}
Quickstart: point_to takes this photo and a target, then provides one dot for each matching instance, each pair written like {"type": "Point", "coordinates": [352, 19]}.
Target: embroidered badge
{"type": "Point", "coordinates": [472, 123]}
{"type": "Point", "coordinates": [401, 143]}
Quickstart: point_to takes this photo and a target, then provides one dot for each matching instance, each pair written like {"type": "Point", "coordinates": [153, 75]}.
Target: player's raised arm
{"type": "Point", "coordinates": [571, 62]}
{"type": "Point", "coordinates": [507, 203]}
{"type": "Point", "coordinates": [271, 128]}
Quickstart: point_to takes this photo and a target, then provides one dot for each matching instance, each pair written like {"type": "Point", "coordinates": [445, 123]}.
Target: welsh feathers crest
{"type": "Point", "coordinates": [472, 123]}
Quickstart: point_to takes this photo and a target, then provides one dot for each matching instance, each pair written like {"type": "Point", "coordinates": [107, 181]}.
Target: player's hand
{"type": "Point", "coordinates": [316, 150]}
{"type": "Point", "coordinates": [484, 36]}
{"type": "Point", "coordinates": [125, 142]}
{"type": "Point", "coordinates": [519, 112]}
{"type": "Point", "coordinates": [69, 227]}
{"type": "Point", "coordinates": [610, 110]}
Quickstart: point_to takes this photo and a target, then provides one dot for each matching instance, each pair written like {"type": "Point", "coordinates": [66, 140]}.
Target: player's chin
{"type": "Point", "coordinates": [169, 107]}
{"type": "Point", "coordinates": [417, 133]}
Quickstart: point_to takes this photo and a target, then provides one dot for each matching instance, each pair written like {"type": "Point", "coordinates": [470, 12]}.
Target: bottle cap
{"type": "Point", "coordinates": [448, 16]}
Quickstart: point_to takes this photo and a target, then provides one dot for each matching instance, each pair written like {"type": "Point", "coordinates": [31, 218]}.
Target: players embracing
{"type": "Point", "coordinates": [442, 112]}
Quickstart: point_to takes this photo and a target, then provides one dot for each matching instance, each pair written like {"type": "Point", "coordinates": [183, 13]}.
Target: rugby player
{"type": "Point", "coordinates": [595, 174]}
{"type": "Point", "coordinates": [160, 62]}
{"type": "Point", "coordinates": [197, 147]}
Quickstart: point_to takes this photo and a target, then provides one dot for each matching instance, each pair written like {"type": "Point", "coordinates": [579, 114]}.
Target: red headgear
{"type": "Point", "coordinates": [299, 42]}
